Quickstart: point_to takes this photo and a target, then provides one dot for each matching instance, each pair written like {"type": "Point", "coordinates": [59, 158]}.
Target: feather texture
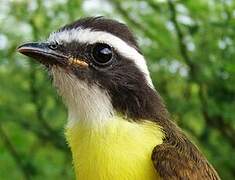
{"type": "Point", "coordinates": [119, 150]}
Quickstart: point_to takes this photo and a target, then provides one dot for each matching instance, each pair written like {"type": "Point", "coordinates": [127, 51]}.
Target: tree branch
{"type": "Point", "coordinates": [179, 33]}
{"type": "Point", "coordinates": [16, 156]}
{"type": "Point", "coordinates": [216, 122]}
{"type": "Point", "coordinates": [132, 21]}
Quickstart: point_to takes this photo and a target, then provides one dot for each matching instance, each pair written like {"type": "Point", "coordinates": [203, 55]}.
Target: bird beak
{"type": "Point", "coordinates": [43, 54]}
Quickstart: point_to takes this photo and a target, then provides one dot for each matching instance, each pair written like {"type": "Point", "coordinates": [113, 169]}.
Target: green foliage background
{"type": "Point", "coordinates": [190, 50]}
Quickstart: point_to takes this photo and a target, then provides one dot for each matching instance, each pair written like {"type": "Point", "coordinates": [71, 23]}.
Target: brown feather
{"type": "Point", "coordinates": [177, 158]}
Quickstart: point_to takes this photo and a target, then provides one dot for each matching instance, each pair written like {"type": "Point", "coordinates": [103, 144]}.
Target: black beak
{"type": "Point", "coordinates": [43, 53]}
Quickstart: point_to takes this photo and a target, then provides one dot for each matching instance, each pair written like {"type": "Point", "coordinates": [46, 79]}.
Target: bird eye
{"type": "Point", "coordinates": [102, 53]}
{"type": "Point", "coordinates": [53, 46]}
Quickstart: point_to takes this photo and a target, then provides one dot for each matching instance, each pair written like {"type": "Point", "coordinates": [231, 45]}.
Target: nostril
{"type": "Point", "coordinates": [53, 46]}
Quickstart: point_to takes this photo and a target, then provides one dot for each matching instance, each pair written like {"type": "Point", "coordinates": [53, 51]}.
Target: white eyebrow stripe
{"type": "Point", "coordinates": [91, 36]}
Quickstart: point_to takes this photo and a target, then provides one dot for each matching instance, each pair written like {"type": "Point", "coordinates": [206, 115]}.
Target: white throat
{"type": "Point", "coordinates": [88, 104]}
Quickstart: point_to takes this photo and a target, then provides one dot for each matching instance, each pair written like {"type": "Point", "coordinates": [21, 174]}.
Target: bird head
{"type": "Point", "coordinates": [98, 70]}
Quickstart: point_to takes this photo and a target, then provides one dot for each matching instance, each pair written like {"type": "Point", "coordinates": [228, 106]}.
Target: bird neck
{"type": "Point", "coordinates": [141, 102]}
{"type": "Point", "coordinates": [91, 107]}
{"type": "Point", "coordinates": [87, 103]}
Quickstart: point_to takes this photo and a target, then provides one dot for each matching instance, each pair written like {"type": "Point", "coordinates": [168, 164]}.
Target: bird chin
{"type": "Point", "coordinates": [56, 69]}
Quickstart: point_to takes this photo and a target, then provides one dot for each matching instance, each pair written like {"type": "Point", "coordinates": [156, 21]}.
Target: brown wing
{"type": "Point", "coordinates": [172, 163]}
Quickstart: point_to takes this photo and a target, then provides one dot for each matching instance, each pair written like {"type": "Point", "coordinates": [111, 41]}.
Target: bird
{"type": "Point", "coordinates": [118, 125]}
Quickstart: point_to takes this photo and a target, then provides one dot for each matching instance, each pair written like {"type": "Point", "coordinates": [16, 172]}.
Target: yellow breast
{"type": "Point", "coordinates": [119, 150]}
